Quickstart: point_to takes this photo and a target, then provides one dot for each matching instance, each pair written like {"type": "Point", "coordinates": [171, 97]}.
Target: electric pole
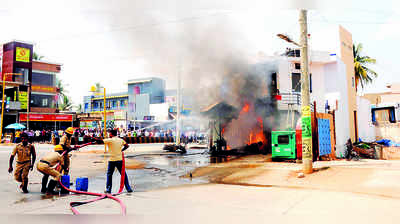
{"type": "Point", "coordinates": [305, 96]}
{"type": "Point", "coordinates": [178, 109]}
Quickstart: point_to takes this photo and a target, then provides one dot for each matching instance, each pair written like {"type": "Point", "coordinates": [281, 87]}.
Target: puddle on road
{"type": "Point", "coordinates": [160, 171]}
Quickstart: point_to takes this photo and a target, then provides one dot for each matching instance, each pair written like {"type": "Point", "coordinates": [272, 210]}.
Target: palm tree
{"type": "Point", "coordinates": [66, 104]}
{"type": "Point", "coordinates": [363, 74]}
{"type": "Point", "coordinates": [37, 57]}
{"type": "Point", "coordinates": [79, 108]}
{"type": "Point", "coordinates": [60, 87]}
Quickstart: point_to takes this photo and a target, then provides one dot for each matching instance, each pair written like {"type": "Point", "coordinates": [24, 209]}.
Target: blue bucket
{"type": "Point", "coordinates": [65, 181]}
{"type": "Point", "coordinates": [82, 184]}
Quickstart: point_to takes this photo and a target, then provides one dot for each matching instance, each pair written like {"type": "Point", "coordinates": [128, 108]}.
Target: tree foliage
{"type": "Point", "coordinates": [363, 73]}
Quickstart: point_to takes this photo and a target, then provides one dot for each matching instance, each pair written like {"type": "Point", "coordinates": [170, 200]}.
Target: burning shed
{"type": "Point", "coordinates": [220, 114]}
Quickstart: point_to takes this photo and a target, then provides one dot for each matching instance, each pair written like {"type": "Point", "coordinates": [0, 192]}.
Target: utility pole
{"type": "Point", "coordinates": [105, 119]}
{"type": "Point", "coordinates": [27, 105]}
{"type": "Point", "coordinates": [178, 109]}
{"type": "Point", "coordinates": [305, 96]}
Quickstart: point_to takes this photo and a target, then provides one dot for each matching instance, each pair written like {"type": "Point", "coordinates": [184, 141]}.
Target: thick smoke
{"type": "Point", "coordinates": [213, 57]}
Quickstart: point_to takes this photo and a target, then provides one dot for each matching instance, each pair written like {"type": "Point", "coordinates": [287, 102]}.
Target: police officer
{"type": "Point", "coordinates": [24, 152]}
{"type": "Point", "coordinates": [65, 142]}
{"type": "Point", "coordinates": [46, 166]}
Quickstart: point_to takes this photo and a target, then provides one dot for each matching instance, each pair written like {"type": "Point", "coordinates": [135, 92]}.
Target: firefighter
{"type": "Point", "coordinates": [65, 142]}
{"type": "Point", "coordinates": [24, 163]}
{"type": "Point", "coordinates": [46, 166]}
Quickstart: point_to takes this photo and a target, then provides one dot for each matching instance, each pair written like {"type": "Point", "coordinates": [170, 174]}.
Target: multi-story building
{"type": "Point", "coordinates": [140, 106]}
{"type": "Point", "coordinates": [332, 85]}
{"type": "Point", "coordinates": [26, 79]}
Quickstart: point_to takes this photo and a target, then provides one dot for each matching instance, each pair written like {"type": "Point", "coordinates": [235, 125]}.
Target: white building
{"type": "Point", "coordinates": [332, 85]}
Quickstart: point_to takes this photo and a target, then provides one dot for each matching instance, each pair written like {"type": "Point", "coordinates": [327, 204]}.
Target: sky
{"type": "Point", "coordinates": [113, 41]}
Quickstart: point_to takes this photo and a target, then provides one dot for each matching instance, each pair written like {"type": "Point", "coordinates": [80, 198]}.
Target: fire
{"type": "Point", "coordinates": [247, 129]}
{"type": "Point", "coordinates": [257, 134]}
{"type": "Point", "coordinates": [246, 108]}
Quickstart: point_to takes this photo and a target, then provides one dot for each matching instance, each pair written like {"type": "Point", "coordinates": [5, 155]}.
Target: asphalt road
{"type": "Point", "coordinates": [204, 203]}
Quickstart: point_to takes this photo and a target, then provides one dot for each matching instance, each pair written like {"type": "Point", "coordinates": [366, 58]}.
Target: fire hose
{"type": "Point", "coordinates": [100, 195]}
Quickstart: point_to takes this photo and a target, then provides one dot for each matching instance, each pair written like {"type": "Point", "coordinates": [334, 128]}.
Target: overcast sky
{"type": "Point", "coordinates": [112, 41]}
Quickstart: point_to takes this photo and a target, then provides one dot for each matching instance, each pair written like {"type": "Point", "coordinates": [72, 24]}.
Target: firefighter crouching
{"type": "Point", "coordinates": [24, 152]}
{"type": "Point", "coordinates": [46, 166]}
{"type": "Point", "coordinates": [65, 142]}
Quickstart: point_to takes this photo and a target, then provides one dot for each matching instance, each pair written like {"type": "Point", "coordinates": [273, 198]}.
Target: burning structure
{"type": "Point", "coordinates": [242, 121]}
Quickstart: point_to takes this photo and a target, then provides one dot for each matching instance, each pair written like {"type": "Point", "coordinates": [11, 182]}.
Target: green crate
{"type": "Point", "coordinates": [283, 144]}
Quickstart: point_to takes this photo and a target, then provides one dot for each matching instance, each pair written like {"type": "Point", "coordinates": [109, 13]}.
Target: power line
{"type": "Point", "coordinates": [142, 26]}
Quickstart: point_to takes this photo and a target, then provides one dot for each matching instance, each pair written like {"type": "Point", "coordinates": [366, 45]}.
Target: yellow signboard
{"type": "Point", "coordinates": [22, 54]}
{"type": "Point", "coordinates": [23, 98]}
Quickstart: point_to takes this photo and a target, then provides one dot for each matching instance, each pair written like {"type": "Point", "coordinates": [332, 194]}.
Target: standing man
{"type": "Point", "coordinates": [115, 147]}
{"type": "Point", "coordinates": [65, 142]}
{"type": "Point", "coordinates": [24, 152]}
{"type": "Point", "coordinates": [17, 136]}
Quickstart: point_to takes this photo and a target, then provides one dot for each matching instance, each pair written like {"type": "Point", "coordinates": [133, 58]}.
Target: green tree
{"type": "Point", "coordinates": [37, 57]}
{"type": "Point", "coordinates": [363, 73]}
{"type": "Point", "coordinates": [66, 104]}
{"type": "Point", "coordinates": [61, 87]}
{"type": "Point", "coordinates": [79, 108]}
{"type": "Point", "coordinates": [64, 101]}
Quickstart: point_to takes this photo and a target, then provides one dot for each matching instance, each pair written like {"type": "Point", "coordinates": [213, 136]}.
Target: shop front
{"type": "Point", "coordinates": [52, 121]}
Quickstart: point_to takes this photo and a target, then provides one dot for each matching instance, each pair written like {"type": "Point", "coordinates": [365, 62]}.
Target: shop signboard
{"type": "Point", "coordinates": [22, 54]}
{"type": "Point", "coordinates": [119, 115]}
{"type": "Point", "coordinates": [46, 117]}
{"type": "Point", "coordinates": [46, 89]}
{"type": "Point", "coordinates": [23, 99]}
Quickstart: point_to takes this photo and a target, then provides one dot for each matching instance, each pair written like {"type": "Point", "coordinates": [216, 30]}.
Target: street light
{"type": "Point", "coordinates": [2, 101]}
{"type": "Point", "coordinates": [287, 39]}
{"type": "Point", "coordinates": [94, 90]}
{"type": "Point", "coordinates": [305, 93]}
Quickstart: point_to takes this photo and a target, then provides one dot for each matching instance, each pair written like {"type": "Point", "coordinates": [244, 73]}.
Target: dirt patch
{"type": "Point", "coordinates": [231, 171]}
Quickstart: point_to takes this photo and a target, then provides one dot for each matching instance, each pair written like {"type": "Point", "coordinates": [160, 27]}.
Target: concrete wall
{"type": "Point", "coordinates": [318, 86]}
{"type": "Point", "coordinates": [142, 107]}
{"type": "Point", "coordinates": [366, 130]}
{"type": "Point", "coordinates": [335, 83]}
{"type": "Point", "coordinates": [388, 131]}
{"type": "Point", "coordinates": [346, 55]}
{"type": "Point", "coordinates": [159, 111]}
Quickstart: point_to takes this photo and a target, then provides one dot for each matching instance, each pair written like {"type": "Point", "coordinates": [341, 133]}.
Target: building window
{"type": "Point", "coordinates": [122, 103]}
{"type": "Point", "coordinates": [42, 79]}
{"type": "Point", "coordinates": [296, 85]}
{"type": "Point", "coordinates": [292, 53]}
{"type": "Point", "coordinates": [297, 65]}
{"type": "Point", "coordinates": [23, 78]}
{"type": "Point", "coordinates": [383, 115]}
{"type": "Point", "coordinates": [114, 104]}
{"type": "Point", "coordinates": [45, 102]}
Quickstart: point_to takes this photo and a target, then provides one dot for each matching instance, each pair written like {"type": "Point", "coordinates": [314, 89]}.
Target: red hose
{"type": "Point", "coordinates": [100, 195]}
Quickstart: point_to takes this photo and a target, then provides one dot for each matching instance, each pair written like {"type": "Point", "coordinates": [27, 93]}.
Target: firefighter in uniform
{"type": "Point", "coordinates": [24, 152]}
{"type": "Point", "coordinates": [46, 166]}
{"type": "Point", "coordinates": [65, 142]}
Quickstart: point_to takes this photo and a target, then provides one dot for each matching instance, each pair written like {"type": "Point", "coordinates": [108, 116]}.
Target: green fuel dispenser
{"type": "Point", "coordinates": [283, 144]}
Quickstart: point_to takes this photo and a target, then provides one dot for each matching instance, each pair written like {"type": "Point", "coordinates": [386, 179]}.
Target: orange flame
{"type": "Point", "coordinates": [257, 134]}
{"type": "Point", "coordinates": [246, 108]}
